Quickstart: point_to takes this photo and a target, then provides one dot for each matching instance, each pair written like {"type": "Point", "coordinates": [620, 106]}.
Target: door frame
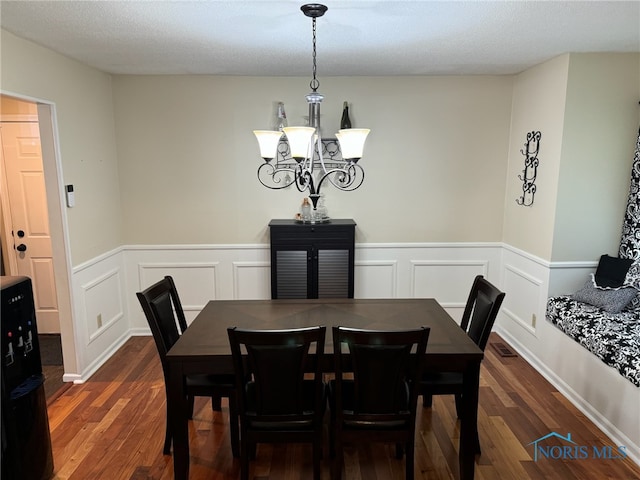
{"type": "Point", "coordinates": [52, 166]}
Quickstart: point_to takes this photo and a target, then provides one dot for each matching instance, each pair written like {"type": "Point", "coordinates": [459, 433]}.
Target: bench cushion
{"type": "Point", "coordinates": [612, 337]}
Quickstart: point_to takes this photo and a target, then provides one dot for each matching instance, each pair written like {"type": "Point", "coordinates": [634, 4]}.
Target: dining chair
{"type": "Point", "coordinates": [281, 394]}
{"type": "Point", "coordinates": [378, 404]}
{"type": "Point", "coordinates": [478, 317]}
{"type": "Point", "coordinates": [216, 400]}
{"type": "Point", "coordinates": [163, 310]}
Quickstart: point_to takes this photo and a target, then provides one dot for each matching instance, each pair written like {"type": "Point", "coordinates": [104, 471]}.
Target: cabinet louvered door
{"type": "Point", "coordinates": [333, 273]}
{"type": "Point", "coordinates": [293, 273]}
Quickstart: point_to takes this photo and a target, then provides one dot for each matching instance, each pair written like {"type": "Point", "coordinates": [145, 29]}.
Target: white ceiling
{"type": "Point", "coordinates": [355, 37]}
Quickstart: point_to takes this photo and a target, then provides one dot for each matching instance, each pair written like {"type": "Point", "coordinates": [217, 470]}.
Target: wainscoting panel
{"type": "Point", "coordinates": [201, 273]}
{"type": "Point", "coordinates": [447, 280]}
{"type": "Point", "coordinates": [101, 312]}
{"type": "Point", "coordinates": [375, 279]}
{"type": "Point", "coordinates": [443, 271]}
{"type": "Point", "coordinates": [525, 281]}
{"type": "Point", "coordinates": [251, 280]}
{"type": "Point", "coordinates": [195, 282]}
{"type": "Point", "coordinates": [524, 297]}
{"type": "Point", "coordinates": [103, 303]}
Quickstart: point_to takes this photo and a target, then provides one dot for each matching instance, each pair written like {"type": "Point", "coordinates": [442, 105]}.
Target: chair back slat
{"type": "Point", "coordinates": [386, 367]}
{"type": "Point", "coordinates": [271, 380]}
{"type": "Point", "coordinates": [278, 374]}
{"type": "Point", "coordinates": [380, 378]}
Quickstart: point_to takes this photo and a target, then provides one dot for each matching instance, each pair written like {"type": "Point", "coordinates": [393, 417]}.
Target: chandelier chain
{"type": "Point", "coordinates": [314, 84]}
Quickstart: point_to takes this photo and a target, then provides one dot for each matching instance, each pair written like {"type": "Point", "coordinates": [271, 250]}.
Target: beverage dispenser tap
{"type": "Point", "coordinates": [28, 345]}
{"type": "Point", "coordinates": [9, 357]}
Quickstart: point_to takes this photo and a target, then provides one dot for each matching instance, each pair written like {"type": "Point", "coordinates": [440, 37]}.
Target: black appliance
{"type": "Point", "coordinates": [26, 441]}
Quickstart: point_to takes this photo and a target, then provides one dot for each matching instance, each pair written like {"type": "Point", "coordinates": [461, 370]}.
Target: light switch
{"type": "Point", "coordinates": [71, 201]}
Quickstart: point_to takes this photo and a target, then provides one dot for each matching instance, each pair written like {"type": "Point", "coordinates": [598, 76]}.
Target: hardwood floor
{"type": "Point", "coordinates": [112, 427]}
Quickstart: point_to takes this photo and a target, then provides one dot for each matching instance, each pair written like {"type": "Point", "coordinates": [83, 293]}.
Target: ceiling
{"type": "Point", "coordinates": [355, 37]}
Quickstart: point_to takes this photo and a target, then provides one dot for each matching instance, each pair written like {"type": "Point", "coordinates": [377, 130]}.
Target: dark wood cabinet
{"type": "Point", "coordinates": [312, 260]}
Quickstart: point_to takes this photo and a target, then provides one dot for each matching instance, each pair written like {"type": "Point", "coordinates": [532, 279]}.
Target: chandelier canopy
{"type": "Point", "coordinates": [300, 156]}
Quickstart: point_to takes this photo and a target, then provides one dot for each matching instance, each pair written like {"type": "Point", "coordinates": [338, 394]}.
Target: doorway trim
{"type": "Point", "coordinates": [53, 177]}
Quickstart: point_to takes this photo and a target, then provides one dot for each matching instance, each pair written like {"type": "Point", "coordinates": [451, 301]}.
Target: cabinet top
{"type": "Point", "coordinates": [290, 221]}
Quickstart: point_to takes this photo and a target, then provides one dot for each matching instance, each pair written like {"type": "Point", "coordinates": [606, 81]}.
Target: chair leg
{"type": "Point", "coordinates": [166, 450]}
{"type": "Point", "coordinates": [399, 451]}
{"type": "Point", "coordinates": [458, 405]}
{"type": "Point", "coordinates": [427, 400]}
{"type": "Point", "coordinates": [317, 458]}
{"type": "Point", "coordinates": [190, 401]}
{"type": "Point", "coordinates": [233, 426]}
{"type": "Point", "coordinates": [458, 413]}
{"type": "Point", "coordinates": [337, 461]}
{"type": "Point", "coordinates": [216, 403]}
{"type": "Point", "coordinates": [332, 442]}
{"type": "Point", "coordinates": [244, 460]}
{"type": "Point", "coordinates": [410, 460]}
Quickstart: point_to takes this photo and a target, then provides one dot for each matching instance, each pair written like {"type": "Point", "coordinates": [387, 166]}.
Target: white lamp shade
{"type": "Point", "coordinates": [352, 142]}
{"type": "Point", "coordinates": [268, 141]}
{"type": "Point", "coordinates": [299, 139]}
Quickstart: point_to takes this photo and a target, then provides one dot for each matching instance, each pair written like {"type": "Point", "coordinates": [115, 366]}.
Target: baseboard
{"type": "Point", "coordinates": [72, 377]}
{"type": "Point", "coordinates": [98, 362]}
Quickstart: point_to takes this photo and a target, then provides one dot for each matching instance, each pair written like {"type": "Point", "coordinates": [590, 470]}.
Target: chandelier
{"type": "Point", "coordinates": [300, 156]}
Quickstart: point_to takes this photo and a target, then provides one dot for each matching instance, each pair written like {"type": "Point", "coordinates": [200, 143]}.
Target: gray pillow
{"type": "Point", "coordinates": [612, 301]}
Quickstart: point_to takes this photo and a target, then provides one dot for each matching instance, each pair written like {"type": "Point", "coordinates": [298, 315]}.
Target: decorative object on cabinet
{"type": "Point", "coordinates": [302, 157]}
{"type": "Point", "coordinates": [312, 260]}
{"type": "Point", "coordinates": [528, 177]}
{"type": "Point", "coordinates": [315, 215]}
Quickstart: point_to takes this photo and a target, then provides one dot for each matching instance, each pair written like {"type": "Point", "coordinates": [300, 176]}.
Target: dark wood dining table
{"type": "Point", "coordinates": [204, 348]}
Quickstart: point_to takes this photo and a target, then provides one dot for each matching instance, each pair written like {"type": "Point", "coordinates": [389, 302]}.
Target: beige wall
{"type": "Point", "coordinates": [586, 106]}
{"type": "Point", "coordinates": [600, 130]}
{"type": "Point", "coordinates": [84, 110]}
{"type": "Point", "coordinates": [538, 105]}
{"type": "Point", "coordinates": [434, 161]}
{"type": "Point", "coordinates": [441, 162]}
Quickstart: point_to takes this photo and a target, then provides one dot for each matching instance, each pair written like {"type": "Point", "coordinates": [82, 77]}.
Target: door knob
{"type": "Point", "coordinates": [21, 233]}
{"type": "Point", "coordinates": [21, 248]}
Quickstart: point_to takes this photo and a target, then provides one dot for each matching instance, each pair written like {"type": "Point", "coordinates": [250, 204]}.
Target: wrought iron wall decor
{"type": "Point", "coordinates": [531, 162]}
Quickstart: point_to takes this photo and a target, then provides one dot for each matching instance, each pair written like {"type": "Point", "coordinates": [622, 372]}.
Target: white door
{"type": "Point", "coordinates": [22, 163]}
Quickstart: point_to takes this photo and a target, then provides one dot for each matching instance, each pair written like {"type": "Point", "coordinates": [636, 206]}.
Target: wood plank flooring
{"type": "Point", "coordinates": [112, 427]}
